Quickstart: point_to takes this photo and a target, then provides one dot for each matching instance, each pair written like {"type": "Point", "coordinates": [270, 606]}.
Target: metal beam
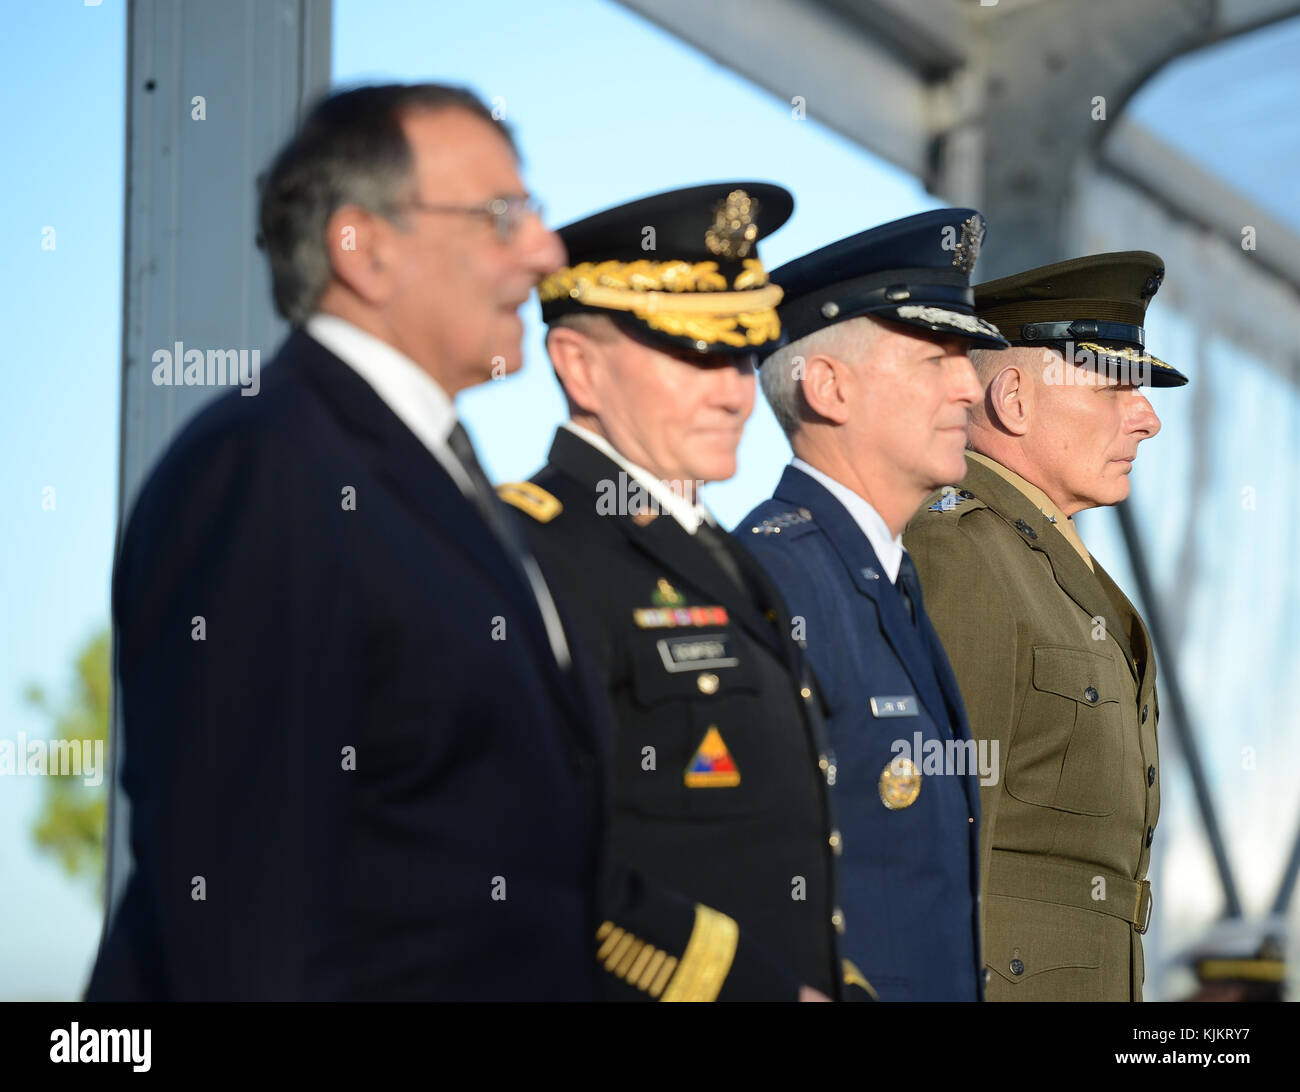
{"type": "Point", "coordinates": [212, 91]}
{"type": "Point", "coordinates": [1144, 161]}
{"type": "Point", "coordinates": [849, 81]}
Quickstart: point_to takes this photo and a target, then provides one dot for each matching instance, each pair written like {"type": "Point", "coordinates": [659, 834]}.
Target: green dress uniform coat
{"type": "Point", "coordinates": [1054, 665]}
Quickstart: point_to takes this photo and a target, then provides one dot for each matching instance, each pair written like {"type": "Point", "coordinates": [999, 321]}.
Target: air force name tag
{"type": "Point", "coordinates": [900, 705]}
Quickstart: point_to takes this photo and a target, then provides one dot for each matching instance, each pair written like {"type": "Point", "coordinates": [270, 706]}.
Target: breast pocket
{"type": "Point", "coordinates": [691, 703]}
{"type": "Point", "coordinates": [1068, 744]}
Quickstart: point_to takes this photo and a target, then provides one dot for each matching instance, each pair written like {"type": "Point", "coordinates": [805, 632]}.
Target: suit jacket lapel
{"type": "Point", "coordinates": [664, 540]}
{"type": "Point", "coordinates": [868, 576]}
{"type": "Point", "coordinates": [1071, 572]}
{"type": "Point", "coordinates": [419, 479]}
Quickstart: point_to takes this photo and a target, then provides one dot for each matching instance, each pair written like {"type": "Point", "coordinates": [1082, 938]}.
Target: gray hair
{"type": "Point", "coordinates": [781, 375]}
{"type": "Point", "coordinates": [349, 151]}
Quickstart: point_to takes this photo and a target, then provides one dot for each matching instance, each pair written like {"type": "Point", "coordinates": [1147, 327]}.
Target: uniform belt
{"type": "Point", "coordinates": [1048, 879]}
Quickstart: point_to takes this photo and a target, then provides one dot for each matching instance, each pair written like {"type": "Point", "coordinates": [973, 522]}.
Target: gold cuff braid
{"type": "Point", "coordinates": [707, 960]}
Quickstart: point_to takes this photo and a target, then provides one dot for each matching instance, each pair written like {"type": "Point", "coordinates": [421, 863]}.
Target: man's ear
{"type": "Point", "coordinates": [1009, 399]}
{"type": "Point", "coordinates": [576, 358]}
{"type": "Point", "coordinates": [361, 252]}
{"type": "Point", "coordinates": [827, 385]}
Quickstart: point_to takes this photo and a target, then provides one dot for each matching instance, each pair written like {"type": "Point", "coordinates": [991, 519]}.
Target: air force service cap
{"type": "Point", "coordinates": [678, 270]}
{"type": "Point", "coordinates": [1091, 309]}
{"type": "Point", "coordinates": [914, 271]}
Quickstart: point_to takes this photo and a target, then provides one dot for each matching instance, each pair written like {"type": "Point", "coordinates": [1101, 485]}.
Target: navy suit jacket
{"type": "Point", "coordinates": [355, 768]}
{"type": "Point", "coordinates": [909, 874]}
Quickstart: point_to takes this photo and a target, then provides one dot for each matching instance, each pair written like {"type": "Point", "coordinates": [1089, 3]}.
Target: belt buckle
{"type": "Point", "coordinates": [1142, 912]}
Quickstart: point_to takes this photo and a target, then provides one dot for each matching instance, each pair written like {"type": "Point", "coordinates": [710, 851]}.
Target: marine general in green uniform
{"type": "Point", "coordinates": [721, 766]}
{"type": "Point", "coordinates": [1054, 662]}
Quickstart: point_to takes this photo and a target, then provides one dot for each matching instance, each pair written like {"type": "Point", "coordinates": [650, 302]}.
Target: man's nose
{"type": "Point", "coordinates": [734, 384]}
{"type": "Point", "coordinates": [965, 383]}
{"type": "Point", "coordinates": [542, 249]}
{"type": "Point", "coordinates": [1144, 419]}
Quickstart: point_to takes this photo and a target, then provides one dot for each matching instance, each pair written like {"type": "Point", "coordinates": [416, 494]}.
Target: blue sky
{"type": "Point", "coordinates": [614, 112]}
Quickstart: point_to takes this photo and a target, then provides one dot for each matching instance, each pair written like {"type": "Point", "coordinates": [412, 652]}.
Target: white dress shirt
{"type": "Point", "coordinates": [889, 548]}
{"type": "Point", "coordinates": [425, 408]}
{"type": "Point", "coordinates": [406, 388]}
{"type": "Point", "coordinates": [689, 515]}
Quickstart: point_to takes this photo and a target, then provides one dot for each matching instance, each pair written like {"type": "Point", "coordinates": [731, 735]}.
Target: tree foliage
{"type": "Point", "coordinates": [71, 821]}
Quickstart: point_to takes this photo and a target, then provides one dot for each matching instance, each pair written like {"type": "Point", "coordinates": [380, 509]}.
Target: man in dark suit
{"type": "Point", "coordinates": [720, 770]}
{"type": "Point", "coordinates": [872, 392]}
{"type": "Point", "coordinates": [362, 760]}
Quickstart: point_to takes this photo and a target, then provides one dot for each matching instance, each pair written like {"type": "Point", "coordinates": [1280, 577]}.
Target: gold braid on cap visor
{"type": "Point", "coordinates": [683, 299]}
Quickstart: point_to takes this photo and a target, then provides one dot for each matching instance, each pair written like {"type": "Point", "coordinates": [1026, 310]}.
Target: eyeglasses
{"type": "Point", "coordinates": [507, 213]}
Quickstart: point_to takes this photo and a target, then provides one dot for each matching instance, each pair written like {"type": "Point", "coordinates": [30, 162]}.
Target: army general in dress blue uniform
{"type": "Point", "coordinates": [720, 770]}
{"type": "Point", "coordinates": [872, 391]}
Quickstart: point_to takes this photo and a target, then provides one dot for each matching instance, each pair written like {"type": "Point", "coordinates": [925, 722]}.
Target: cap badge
{"type": "Point", "coordinates": [733, 231]}
{"type": "Point", "coordinates": [1153, 283]}
{"type": "Point", "coordinates": [967, 250]}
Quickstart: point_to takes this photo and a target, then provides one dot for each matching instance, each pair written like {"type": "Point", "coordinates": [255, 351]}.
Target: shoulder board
{"type": "Point", "coordinates": [530, 499]}
{"type": "Point", "coordinates": [958, 501]}
{"type": "Point", "coordinates": [780, 522]}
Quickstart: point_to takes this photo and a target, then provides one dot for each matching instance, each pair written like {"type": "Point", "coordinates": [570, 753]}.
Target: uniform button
{"type": "Point", "coordinates": [1091, 694]}
{"type": "Point", "coordinates": [1144, 714]}
{"type": "Point", "coordinates": [837, 920]}
{"type": "Point", "coordinates": [835, 841]}
{"type": "Point", "coordinates": [708, 683]}
{"type": "Point", "coordinates": [1151, 833]}
{"type": "Point", "coordinates": [971, 819]}
{"type": "Point", "coordinates": [1151, 776]}
{"type": "Point", "coordinates": [1017, 966]}
{"type": "Point", "coordinates": [805, 692]}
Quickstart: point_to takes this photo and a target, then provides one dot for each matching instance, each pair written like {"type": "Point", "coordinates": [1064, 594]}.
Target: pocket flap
{"type": "Point", "coordinates": [1074, 673]}
{"type": "Point", "coordinates": [1025, 937]}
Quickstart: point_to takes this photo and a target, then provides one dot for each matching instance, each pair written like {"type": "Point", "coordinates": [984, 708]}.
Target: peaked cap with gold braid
{"type": "Point", "coordinates": [1092, 309]}
{"type": "Point", "coordinates": [679, 270]}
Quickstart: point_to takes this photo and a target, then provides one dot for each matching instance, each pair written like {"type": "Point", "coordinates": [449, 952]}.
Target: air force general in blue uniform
{"type": "Point", "coordinates": [906, 769]}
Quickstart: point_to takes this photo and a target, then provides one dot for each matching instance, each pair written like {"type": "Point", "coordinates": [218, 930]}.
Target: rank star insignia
{"type": "Point", "coordinates": [967, 250]}
{"type": "Point", "coordinates": [733, 231]}
{"type": "Point", "coordinates": [665, 595]}
{"type": "Point", "coordinates": [712, 767]}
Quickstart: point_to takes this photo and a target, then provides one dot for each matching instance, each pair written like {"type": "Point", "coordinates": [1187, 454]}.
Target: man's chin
{"type": "Point", "coordinates": [505, 363]}
{"type": "Point", "coordinates": [1111, 492]}
{"type": "Point", "coordinates": [716, 470]}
